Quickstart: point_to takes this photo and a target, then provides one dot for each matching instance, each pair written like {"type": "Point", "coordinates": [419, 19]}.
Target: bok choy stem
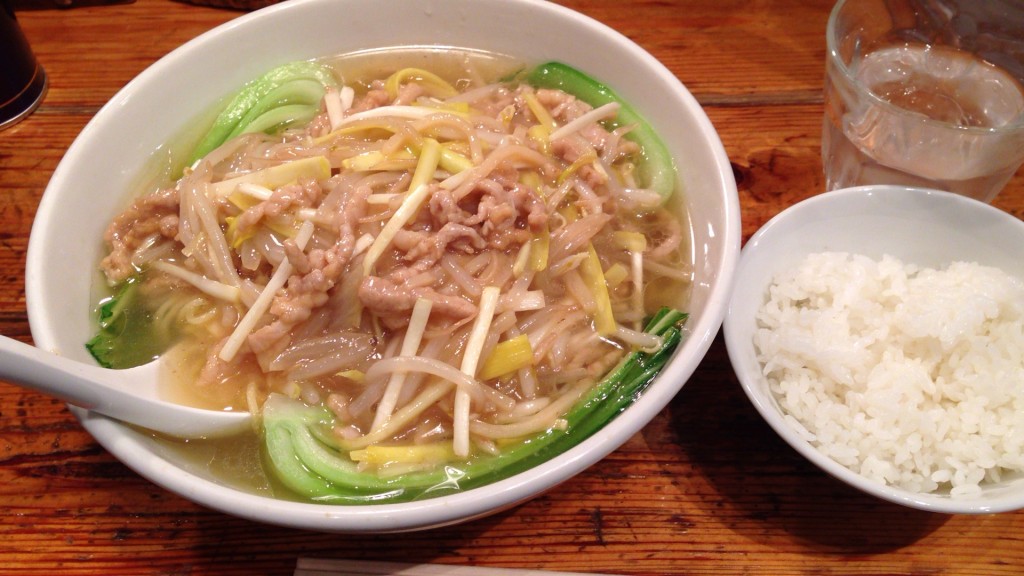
{"type": "Point", "coordinates": [289, 93]}
{"type": "Point", "coordinates": [303, 458]}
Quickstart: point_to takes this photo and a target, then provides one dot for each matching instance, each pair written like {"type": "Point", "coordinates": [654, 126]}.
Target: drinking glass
{"type": "Point", "coordinates": [924, 93]}
{"type": "Point", "coordinates": [22, 79]}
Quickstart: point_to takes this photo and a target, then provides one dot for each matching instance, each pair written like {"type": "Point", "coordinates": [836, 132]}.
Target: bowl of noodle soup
{"type": "Point", "coordinates": [409, 289]}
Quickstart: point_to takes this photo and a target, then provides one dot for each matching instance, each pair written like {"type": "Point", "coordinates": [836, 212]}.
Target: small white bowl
{"type": "Point", "coordinates": [100, 168]}
{"type": "Point", "coordinates": [923, 227]}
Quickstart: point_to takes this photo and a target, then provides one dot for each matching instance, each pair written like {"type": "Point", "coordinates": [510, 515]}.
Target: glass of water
{"type": "Point", "coordinates": [925, 93]}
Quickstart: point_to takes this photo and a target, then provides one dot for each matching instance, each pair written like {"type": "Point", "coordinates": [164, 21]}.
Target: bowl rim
{"type": "Point", "coordinates": [739, 349]}
{"type": "Point", "coordinates": [130, 447]}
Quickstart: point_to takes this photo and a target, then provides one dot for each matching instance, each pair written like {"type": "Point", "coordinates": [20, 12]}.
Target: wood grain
{"type": "Point", "coordinates": [706, 488]}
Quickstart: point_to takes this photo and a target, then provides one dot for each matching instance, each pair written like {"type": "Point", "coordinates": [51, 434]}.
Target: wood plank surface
{"type": "Point", "coordinates": [706, 488]}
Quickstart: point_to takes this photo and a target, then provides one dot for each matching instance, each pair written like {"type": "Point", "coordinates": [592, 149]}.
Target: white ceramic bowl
{"type": "Point", "coordinates": [923, 227]}
{"type": "Point", "coordinates": [99, 169]}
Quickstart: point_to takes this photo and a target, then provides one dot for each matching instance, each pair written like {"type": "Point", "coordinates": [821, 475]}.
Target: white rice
{"type": "Point", "coordinates": [909, 376]}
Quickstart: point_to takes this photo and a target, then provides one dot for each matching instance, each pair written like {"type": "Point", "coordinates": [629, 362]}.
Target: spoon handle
{"type": "Point", "coordinates": [125, 395]}
{"type": "Point", "coordinates": [63, 378]}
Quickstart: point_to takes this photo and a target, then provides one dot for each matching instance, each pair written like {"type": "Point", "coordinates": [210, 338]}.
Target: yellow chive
{"type": "Point", "coordinates": [429, 158]}
{"type": "Point", "coordinates": [377, 161]}
{"type": "Point", "coordinates": [354, 375]}
{"type": "Point", "coordinates": [539, 246]}
{"type": "Point", "coordinates": [234, 237]}
{"type": "Point", "coordinates": [631, 241]}
{"type": "Point", "coordinates": [541, 113]}
{"type": "Point", "coordinates": [507, 114]}
{"type": "Point", "coordinates": [433, 84]}
{"type": "Point", "coordinates": [283, 227]}
{"type": "Point", "coordinates": [588, 158]}
{"type": "Point", "coordinates": [407, 454]}
{"type": "Point", "coordinates": [355, 128]}
{"type": "Point", "coordinates": [457, 108]}
{"type": "Point", "coordinates": [362, 162]}
{"type": "Point", "coordinates": [243, 201]}
{"type": "Point", "coordinates": [593, 275]}
{"type": "Point", "coordinates": [532, 179]}
{"type": "Point", "coordinates": [452, 161]}
{"type": "Point", "coordinates": [522, 259]}
{"type": "Point", "coordinates": [540, 135]}
{"type": "Point", "coordinates": [507, 357]}
{"type": "Point", "coordinates": [615, 274]}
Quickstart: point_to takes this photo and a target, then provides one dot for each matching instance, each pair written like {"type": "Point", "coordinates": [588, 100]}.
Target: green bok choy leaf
{"type": "Point", "coordinates": [289, 94]}
{"type": "Point", "coordinates": [303, 457]}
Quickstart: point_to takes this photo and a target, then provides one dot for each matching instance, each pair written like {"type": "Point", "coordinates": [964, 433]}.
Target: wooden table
{"type": "Point", "coordinates": [706, 488]}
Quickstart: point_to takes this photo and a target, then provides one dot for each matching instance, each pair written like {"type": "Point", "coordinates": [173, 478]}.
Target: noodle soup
{"type": "Point", "coordinates": [412, 260]}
